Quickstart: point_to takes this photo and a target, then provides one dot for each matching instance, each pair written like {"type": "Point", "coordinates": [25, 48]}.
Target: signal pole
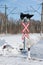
{"type": "Point", "coordinates": [41, 20]}
{"type": "Point", "coordinates": [2, 26]}
{"type": "Point", "coordinates": [6, 17]}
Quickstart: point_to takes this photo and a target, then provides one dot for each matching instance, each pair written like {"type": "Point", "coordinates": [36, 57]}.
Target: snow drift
{"type": "Point", "coordinates": [37, 50]}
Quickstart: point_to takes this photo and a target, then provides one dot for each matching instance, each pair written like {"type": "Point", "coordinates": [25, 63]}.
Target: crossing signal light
{"type": "Point", "coordinates": [28, 16]}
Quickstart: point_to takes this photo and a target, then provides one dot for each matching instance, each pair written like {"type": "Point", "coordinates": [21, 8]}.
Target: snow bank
{"type": "Point", "coordinates": [33, 39]}
{"type": "Point", "coordinates": [37, 50]}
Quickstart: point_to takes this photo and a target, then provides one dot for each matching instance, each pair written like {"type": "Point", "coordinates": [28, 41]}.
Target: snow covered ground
{"type": "Point", "coordinates": [15, 40]}
{"type": "Point", "coordinates": [11, 57]}
{"type": "Point", "coordinates": [5, 60]}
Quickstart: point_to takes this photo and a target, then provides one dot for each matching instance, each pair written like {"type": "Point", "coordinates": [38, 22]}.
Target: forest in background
{"type": "Point", "coordinates": [15, 26]}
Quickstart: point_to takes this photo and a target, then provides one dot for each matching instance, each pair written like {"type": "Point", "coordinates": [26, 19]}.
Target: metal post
{"type": "Point", "coordinates": [6, 18]}
{"type": "Point", "coordinates": [2, 27]}
{"type": "Point", "coordinates": [41, 20]}
{"type": "Point", "coordinates": [24, 34]}
{"type": "Point", "coordinates": [24, 43]}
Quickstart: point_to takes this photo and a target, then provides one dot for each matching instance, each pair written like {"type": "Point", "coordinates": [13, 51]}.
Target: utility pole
{"type": "Point", "coordinates": [2, 26]}
{"type": "Point", "coordinates": [41, 20]}
{"type": "Point", "coordinates": [6, 17]}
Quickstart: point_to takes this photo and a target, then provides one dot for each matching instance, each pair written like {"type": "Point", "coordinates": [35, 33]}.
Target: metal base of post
{"type": "Point", "coordinates": [24, 52]}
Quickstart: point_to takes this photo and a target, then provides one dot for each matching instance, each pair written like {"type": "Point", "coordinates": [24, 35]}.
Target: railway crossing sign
{"type": "Point", "coordinates": [25, 27]}
{"type": "Point", "coordinates": [25, 35]}
{"type": "Point", "coordinates": [25, 24]}
{"type": "Point", "coordinates": [25, 31]}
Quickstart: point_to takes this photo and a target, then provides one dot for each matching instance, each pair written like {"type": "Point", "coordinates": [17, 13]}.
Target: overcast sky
{"type": "Point", "coordinates": [26, 6]}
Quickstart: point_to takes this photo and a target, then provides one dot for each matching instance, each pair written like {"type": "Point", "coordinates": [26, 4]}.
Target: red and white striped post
{"type": "Point", "coordinates": [25, 31]}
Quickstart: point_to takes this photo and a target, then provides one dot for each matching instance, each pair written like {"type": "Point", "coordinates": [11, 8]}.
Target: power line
{"type": "Point", "coordinates": [35, 10]}
{"type": "Point", "coordinates": [12, 10]}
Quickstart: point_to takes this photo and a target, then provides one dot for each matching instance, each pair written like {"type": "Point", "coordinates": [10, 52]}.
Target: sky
{"type": "Point", "coordinates": [25, 6]}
